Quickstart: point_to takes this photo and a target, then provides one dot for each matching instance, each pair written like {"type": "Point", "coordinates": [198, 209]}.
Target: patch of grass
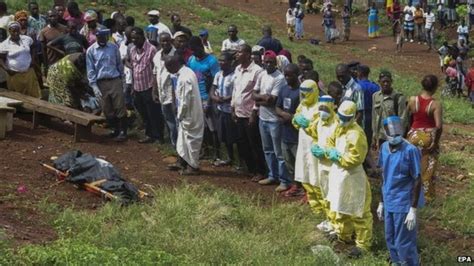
{"type": "Point", "coordinates": [461, 132]}
{"type": "Point", "coordinates": [186, 225]}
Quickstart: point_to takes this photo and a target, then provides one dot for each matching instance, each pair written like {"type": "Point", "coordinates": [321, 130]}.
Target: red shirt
{"type": "Point", "coordinates": [470, 79]}
{"type": "Point", "coordinates": [422, 117]}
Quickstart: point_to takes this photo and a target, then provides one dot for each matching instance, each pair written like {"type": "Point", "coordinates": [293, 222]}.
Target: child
{"type": "Point", "coordinates": [463, 32]}
{"type": "Point", "coordinates": [397, 29]}
{"type": "Point", "coordinates": [290, 23]}
{"type": "Point", "coordinates": [346, 17]}
{"type": "Point", "coordinates": [443, 52]}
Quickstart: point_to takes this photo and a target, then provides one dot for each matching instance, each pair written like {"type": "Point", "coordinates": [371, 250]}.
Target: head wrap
{"type": "Point", "coordinates": [22, 14]}
{"type": "Point", "coordinates": [90, 15]}
{"type": "Point", "coordinates": [286, 53]}
{"type": "Point", "coordinates": [393, 126]}
{"type": "Point", "coordinates": [14, 25]}
{"type": "Point", "coordinates": [270, 54]}
{"type": "Point", "coordinates": [347, 109]}
{"type": "Point", "coordinates": [282, 62]}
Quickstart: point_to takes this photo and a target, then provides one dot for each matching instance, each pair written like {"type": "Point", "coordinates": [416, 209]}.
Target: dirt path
{"type": "Point", "coordinates": [414, 59]}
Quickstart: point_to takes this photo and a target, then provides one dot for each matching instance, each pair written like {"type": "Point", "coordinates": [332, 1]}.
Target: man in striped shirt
{"type": "Point", "coordinates": [140, 61]}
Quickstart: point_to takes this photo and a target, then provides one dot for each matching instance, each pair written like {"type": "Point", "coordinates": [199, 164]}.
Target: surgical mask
{"type": "Point", "coordinates": [324, 115]}
{"type": "Point", "coordinates": [394, 140]}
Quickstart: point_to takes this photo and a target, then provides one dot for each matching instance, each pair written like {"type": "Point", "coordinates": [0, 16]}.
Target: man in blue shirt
{"type": "Point", "coordinates": [205, 66]}
{"type": "Point", "coordinates": [369, 88]}
{"type": "Point", "coordinates": [105, 72]}
{"type": "Point", "coordinates": [268, 42]}
{"type": "Point", "coordinates": [401, 191]}
{"type": "Point", "coordinates": [287, 102]}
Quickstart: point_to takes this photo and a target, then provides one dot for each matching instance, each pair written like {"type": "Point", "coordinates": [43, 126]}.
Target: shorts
{"type": "Point", "coordinates": [409, 25]}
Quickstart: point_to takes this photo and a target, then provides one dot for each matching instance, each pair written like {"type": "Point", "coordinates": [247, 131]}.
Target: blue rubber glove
{"type": "Point", "coordinates": [301, 121]}
{"type": "Point", "coordinates": [317, 151]}
{"type": "Point", "coordinates": [334, 155]}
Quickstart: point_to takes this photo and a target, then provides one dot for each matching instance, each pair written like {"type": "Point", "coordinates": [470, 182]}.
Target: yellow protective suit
{"type": "Point", "coordinates": [349, 190]}
{"type": "Point", "coordinates": [306, 171]}
{"type": "Point", "coordinates": [320, 130]}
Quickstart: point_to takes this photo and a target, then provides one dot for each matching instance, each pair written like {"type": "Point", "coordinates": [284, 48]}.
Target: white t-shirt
{"type": "Point", "coordinates": [270, 84]}
{"type": "Point", "coordinates": [429, 20]}
{"type": "Point", "coordinates": [18, 56]}
{"type": "Point", "coordinates": [409, 11]}
{"type": "Point", "coordinates": [128, 72]}
{"type": "Point", "coordinates": [229, 45]}
{"type": "Point", "coordinates": [463, 30]}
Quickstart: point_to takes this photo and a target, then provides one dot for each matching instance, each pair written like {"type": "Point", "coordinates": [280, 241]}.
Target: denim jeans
{"type": "Point", "coordinates": [430, 37]}
{"type": "Point", "coordinates": [170, 119]}
{"type": "Point", "coordinates": [270, 133]}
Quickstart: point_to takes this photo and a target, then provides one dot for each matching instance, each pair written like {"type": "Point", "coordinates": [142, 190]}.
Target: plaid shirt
{"type": "Point", "coordinates": [142, 66]}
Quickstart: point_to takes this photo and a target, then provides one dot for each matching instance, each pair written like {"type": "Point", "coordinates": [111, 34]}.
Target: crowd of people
{"type": "Point", "coordinates": [310, 138]}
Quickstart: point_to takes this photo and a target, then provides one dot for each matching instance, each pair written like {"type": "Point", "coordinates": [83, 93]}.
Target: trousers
{"type": "Point", "coordinates": [401, 243]}
{"type": "Point", "coordinates": [150, 112]}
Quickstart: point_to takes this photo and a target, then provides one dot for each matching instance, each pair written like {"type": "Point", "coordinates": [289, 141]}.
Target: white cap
{"type": "Point", "coordinates": [153, 13]}
{"type": "Point", "coordinates": [179, 33]}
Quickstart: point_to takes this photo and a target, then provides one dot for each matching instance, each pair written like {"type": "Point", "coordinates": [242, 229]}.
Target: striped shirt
{"type": "Point", "coordinates": [142, 66]}
{"type": "Point", "coordinates": [245, 80]}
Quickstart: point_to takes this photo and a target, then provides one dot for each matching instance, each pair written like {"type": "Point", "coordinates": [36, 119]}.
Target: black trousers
{"type": "Point", "coordinates": [150, 112]}
{"type": "Point", "coordinates": [250, 146]}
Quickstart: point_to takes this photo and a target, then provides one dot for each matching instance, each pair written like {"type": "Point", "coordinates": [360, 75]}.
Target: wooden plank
{"type": "Point", "coordinates": [55, 110]}
{"type": "Point", "coordinates": [10, 102]}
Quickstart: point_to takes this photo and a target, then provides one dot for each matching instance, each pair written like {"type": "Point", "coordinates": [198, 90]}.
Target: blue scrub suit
{"type": "Point", "coordinates": [401, 169]}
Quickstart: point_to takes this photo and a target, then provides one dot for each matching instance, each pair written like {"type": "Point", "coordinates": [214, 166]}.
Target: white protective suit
{"type": "Point", "coordinates": [306, 165]}
{"type": "Point", "coordinates": [190, 116]}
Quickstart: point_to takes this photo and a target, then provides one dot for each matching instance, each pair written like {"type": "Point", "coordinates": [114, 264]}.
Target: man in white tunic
{"type": "Point", "coordinates": [189, 115]}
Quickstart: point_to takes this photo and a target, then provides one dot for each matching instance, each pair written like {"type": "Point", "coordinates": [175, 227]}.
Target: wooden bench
{"type": "Point", "coordinates": [10, 103]}
{"type": "Point", "coordinates": [82, 121]}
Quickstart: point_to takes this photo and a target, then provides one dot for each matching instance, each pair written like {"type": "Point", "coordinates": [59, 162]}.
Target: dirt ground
{"type": "Point", "coordinates": [24, 148]}
{"type": "Point", "coordinates": [414, 58]}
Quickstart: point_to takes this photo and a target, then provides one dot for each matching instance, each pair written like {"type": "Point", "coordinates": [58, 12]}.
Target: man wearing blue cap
{"type": "Point", "coordinates": [105, 72]}
{"type": "Point", "coordinates": [401, 191]}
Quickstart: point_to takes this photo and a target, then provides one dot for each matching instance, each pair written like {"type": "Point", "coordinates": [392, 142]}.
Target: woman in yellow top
{"type": "Point", "coordinates": [349, 190]}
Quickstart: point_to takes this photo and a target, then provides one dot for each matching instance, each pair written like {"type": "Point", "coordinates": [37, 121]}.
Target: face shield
{"type": "Point", "coordinates": [309, 92]}
{"type": "Point", "coordinates": [393, 129]}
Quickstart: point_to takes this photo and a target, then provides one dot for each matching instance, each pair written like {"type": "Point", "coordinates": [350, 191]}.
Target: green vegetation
{"type": "Point", "coordinates": [207, 225]}
{"type": "Point", "coordinates": [186, 225]}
